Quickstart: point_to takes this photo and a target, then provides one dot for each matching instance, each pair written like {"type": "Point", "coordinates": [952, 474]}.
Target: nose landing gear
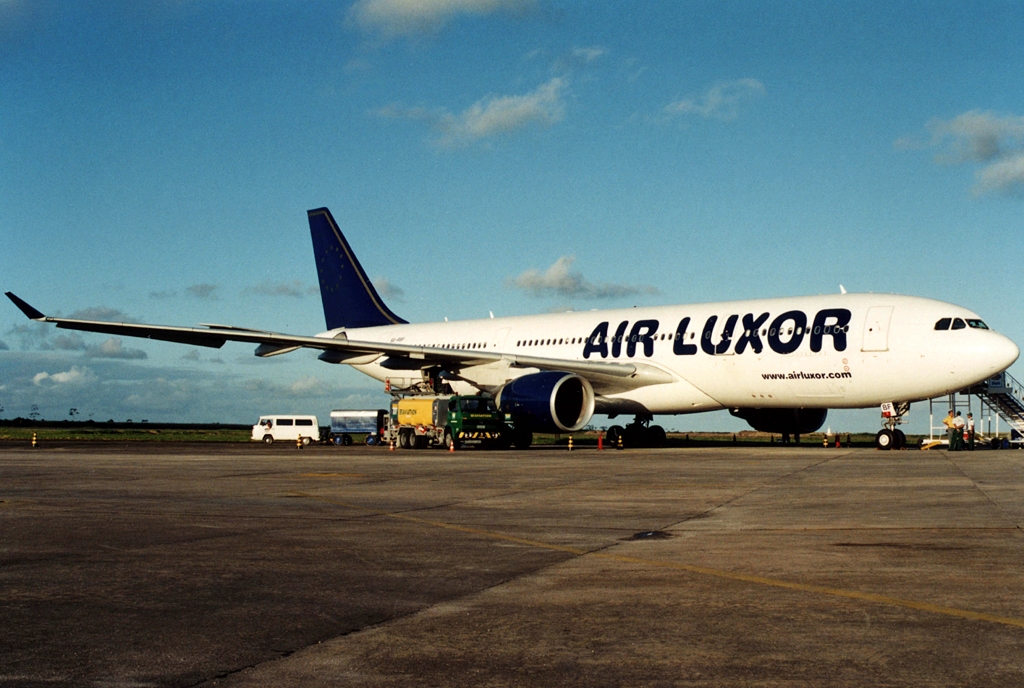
{"type": "Point", "coordinates": [890, 436]}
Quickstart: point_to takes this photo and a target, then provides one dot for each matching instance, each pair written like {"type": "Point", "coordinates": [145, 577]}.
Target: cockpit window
{"type": "Point", "coordinates": [958, 324]}
{"type": "Point", "coordinates": [977, 324]}
{"type": "Point", "coordinates": [943, 324]}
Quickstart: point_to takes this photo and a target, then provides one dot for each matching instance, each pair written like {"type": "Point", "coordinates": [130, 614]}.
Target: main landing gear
{"type": "Point", "coordinates": [639, 433]}
{"type": "Point", "coordinates": [890, 436]}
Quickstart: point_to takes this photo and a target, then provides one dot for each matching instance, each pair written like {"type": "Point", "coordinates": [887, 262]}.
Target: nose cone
{"type": "Point", "coordinates": [1002, 352]}
{"type": "Point", "coordinates": [976, 356]}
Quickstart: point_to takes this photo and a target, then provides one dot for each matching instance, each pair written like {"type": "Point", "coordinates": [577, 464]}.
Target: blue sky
{"type": "Point", "coordinates": [514, 156]}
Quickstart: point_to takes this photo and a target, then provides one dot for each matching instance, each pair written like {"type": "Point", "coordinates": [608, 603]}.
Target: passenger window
{"type": "Point", "coordinates": [284, 421]}
{"type": "Point", "coordinates": [958, 324]}
{"type": "Point", "coordinates": [943, 324]}
{"type": "Point", "coordinates": [303, 421]}
{"type": "Point", "coordinates": [977, 324]}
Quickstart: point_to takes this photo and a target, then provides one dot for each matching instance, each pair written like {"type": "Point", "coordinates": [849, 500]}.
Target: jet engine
{"type": "Point", "coordinates": [793, 421]}
{"type": "Point", "coordinates": [552, 401]}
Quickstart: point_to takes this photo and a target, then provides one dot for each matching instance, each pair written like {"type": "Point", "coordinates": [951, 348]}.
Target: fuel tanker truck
{"type": "Point", "coordinates": [443, 421]}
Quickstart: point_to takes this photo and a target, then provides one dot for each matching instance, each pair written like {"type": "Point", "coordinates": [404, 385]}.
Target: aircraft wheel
{"type": "Point", "coordinates": [613, 435]}
{"type": "Point", "coordinates": [655, 436]}
{"type": "Point", "coordinates": [268, 439]}
{"type": "Point", "coordinates": [884, 440]}
{"type": "Point", "coordinates": [899, 439]}
{"type": "Point", "coordinates": [633, 436]}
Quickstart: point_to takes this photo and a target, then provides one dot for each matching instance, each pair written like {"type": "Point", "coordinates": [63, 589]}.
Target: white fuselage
{"type": "Point", "coordinates": [832, 351]}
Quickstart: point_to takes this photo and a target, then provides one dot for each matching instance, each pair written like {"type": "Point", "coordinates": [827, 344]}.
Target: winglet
{"type": "Point", "coordinates": [28, 310]}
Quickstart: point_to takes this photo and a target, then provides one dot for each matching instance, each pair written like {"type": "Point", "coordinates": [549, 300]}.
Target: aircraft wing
{"type": "Point", "coordinates": [606, 378]}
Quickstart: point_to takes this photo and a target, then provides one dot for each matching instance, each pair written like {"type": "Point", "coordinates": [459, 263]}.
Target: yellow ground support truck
{"type": "Point", "coordinates": [441, 421]}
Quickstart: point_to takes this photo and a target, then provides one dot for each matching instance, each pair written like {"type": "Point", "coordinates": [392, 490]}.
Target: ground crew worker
{"type": "Point", "coordinates": [958, 424]}
{"type": "Point", "coordinates": [970, 431]}
{"type": "Point", "coordinates": [950, 429]}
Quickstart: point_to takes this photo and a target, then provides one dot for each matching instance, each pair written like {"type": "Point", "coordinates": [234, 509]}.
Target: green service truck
{"type": "Point", "coordinates": [447, 421]}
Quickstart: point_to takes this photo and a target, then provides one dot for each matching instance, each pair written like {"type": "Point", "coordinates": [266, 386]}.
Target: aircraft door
{"type": "Point", "coordinates": [876, 329]}
{"type": "Point", "coordinates": [499, 338]}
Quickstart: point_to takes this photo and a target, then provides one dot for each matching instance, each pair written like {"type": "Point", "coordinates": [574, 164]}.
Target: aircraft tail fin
{"type": "Point", "coordinates": [348, 296]}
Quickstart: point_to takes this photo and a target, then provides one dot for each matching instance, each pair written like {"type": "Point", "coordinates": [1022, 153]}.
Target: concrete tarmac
{"type": "Point", "coordinates": [241, 565]}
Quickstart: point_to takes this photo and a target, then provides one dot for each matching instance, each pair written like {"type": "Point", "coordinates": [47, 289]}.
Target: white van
{"type": "Point", "coordinates": [271, 429]}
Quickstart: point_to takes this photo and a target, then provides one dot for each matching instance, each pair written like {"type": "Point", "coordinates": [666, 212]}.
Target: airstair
{"type": "Point", "coordinates": [1001, 397]}
{"type": "Point", "coordinates": [1005, 395]}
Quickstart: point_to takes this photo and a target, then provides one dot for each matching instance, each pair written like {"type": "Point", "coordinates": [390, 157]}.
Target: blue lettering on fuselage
{"type": "Point", "coordinates": [785, 334]}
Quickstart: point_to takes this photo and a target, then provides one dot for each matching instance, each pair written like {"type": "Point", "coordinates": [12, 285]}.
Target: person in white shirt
{"type": "Point", "coordinates": [959, 424]}
{"type": "Point", "coordinates": [970, 431]}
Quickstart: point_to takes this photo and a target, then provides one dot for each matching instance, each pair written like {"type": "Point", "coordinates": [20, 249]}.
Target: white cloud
{"type": "Point", "coordinates": [977, 136]}
{"type": "Point", "coordinates": [503, 114]}
{"type": "Point", "coordinates": [74, 376]}
{"type": "Point", "coordinates": [1003, 177]}
{"type": "Point", "coordinates": [720, 101]}
{"type": "Point", "coordinates": [295, 289]}
{"type": "Point", "coordinates": [392, 18]}
{"type": "Point", "coordinates": [307, 386]}
{"type": "Point", "coordinates": [588, 54]}
{"type": "Point", "coordinates": [112, 348]}
{"type": "Point", "coordinates": [69, 342]}
{"type": "Point", "coordinates": [992, 140]}
{"type": "Point", "coordinates": [203, 291]}
{"type": "Point", "coordinates": [560, 279]}
{"type": "Point", "coordinates": [32, 335]}
{"type": "Point", "coordinates": [488, 117]}
{"type": "Point", "coordinates": [101, 313]}
{"type": "Point", "coordinates": [388, 290]}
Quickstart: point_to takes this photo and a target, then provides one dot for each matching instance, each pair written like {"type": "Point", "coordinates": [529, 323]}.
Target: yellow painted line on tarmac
{"type": "Point", "coordinates": [690, 568]}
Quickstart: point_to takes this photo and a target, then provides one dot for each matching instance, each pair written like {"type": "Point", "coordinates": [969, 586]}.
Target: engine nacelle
{"type": "Point", "coordinates": [793, 421]}
{"type": "Point", "coordinates": [553, 401]}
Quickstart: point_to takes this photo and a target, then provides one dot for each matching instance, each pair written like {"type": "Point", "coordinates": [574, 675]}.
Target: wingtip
{"type": "Point", "coordinates": [28, 310]}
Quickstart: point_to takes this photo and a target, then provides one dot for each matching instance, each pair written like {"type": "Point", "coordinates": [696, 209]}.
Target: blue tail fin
{"type": "Point", "coordinates": [349, 298]}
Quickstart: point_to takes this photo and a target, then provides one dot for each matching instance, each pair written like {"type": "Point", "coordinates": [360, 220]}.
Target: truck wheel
{"type": "Point", "coordinates": [419, 441]}
{"type": "Point", "coordinates": [522, 439]}
{"type": "Point", "coordinates": [370, 440]}
{"type": "Point", "coordinates": [268, 439]}
{"type": "Point", "coordinates": [346, 439]}
{"type": "Point", "coordinates": [404, 439]}
{"type": "Point", "coordinates": [449, 439]}
{"type": "Point", "coordinates": [306, 441]}
{"type": "Point", "coordinates": [336, 440]}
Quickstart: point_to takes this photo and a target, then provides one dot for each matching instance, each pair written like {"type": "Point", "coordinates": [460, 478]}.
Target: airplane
{"type": "Point", "coordinates": [779, 363]}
